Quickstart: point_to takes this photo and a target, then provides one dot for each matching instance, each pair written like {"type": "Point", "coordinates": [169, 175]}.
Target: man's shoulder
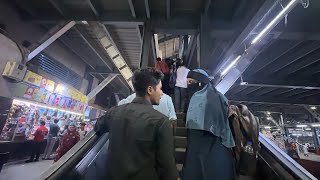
{"type": "Point", "coordinates": [139, 109]}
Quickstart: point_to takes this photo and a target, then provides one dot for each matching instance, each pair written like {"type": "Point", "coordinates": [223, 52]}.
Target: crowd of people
{"type": "Point", "coordinates": [66, 139]}
{"type": "Point", "coordinates": [141, 127]}
{"type": "Point", "coordinates": [141, 142]}
{"type": "Point", "coordinates": [174, 81]}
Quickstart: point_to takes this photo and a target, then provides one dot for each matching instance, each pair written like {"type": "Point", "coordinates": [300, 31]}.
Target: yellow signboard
{"type": "Point", "coordinates": [32, 78]}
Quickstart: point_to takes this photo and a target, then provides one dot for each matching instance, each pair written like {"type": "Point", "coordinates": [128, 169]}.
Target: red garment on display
{"type": "Point", "coordinates": [163, 67]}
{"type": "Point", "coordinates": [40, 133]}
{"type": "Point", "coordinates": [70, 138]}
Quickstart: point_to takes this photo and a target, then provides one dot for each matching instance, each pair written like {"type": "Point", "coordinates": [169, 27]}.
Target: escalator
{"type": "Point", "coordinates": [87, 160]}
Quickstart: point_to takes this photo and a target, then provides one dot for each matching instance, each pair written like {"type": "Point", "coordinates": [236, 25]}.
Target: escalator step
{"type": "Point", "coordinates": [181, 123]}
{"type": "Point", "coordinates": [181, 131]}
{"type": "Point", "coordinates": [180, 142]}
{"type": "Point", "coordinates": [181, 115]}
{"type": "Point", "coordinates": [180, 155]}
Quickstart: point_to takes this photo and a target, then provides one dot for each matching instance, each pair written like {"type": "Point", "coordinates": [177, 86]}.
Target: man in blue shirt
{"type": "Point", "coordinates": [165, 107]}
{"type": "Point", "coordinates": [52, 138]}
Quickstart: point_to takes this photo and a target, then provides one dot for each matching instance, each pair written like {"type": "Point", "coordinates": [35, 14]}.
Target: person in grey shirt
{"type": "Point", "coordinates": [52, 138]}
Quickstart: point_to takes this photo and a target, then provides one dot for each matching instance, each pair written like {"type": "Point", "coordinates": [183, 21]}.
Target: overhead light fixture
{"type": "Point", "coordinates": [301, 125]}
{"type": "Point", "coordinates": [267, 127]}
{"type": "Point", "coordinates": [268, 112]}
{"type": "Point", "coordinates": [85, 22]}
{"type": "Point", "coordinates": [296, 134]}
{"type": "Point", "coordinates": [315, 125]}
{"type": "Point", "coordinates": [275, 21]}
{"type": "Point", "coordinates": [230, 66]}
{"type": "Point", "coordinates": [269, 118]}
{"type": "Point", "coordinates": [313, 107]}
{"type": "Point", "coordinates": [18, 101]}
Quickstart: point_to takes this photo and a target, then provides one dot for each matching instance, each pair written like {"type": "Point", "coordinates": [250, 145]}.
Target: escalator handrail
{"type": "Point", "coordinates": [290, 163]}
{"type": "Point", "coordinates": [71, 158]}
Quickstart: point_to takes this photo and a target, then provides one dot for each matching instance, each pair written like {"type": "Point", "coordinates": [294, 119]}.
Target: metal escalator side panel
{"type": "Point", "coordinates": [71, 158]}
{"type": "Point", "coordinates": [285, 159]}
{"type": "Point", "coordinates": [92, 155]}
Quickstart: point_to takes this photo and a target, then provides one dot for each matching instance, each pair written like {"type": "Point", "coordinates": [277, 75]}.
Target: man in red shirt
{"type": "Point", "coordinates": [39, 135]}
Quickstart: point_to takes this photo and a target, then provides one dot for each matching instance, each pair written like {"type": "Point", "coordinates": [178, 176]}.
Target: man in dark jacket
{"type": "Point", "coordinates": [141, 139]}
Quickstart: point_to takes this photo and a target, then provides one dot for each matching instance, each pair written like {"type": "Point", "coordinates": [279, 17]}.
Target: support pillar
{"type": "Point", "coordinates": [316, 140]}
{"type": "Point", "coordinates": [281, 120]}
{"type": "Point", "coordinates": [146, 44]}
{"type": "Point", "coordinates": [205, 43]}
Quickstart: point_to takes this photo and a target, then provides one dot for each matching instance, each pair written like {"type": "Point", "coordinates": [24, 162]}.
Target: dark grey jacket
{"type": "Point", "coordinates": [141, 143]}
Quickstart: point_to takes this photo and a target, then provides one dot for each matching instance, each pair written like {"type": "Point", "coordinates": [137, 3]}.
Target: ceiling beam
{"type": "Point", "coordinates": [168, 7]}
{"type": "Point", "coordinates": [92, 48]}
{"type": "Point", "coordinates": [281, 86]}
{"type": "Point", "coordinates": [274, 100]}
{"type": "Point", "coordinates": [260, 103]}
{"type": "Point", "coordinates": [68, 43]}
{"type": "Point", "coordinates": [263, 10]}
{"type": "Point", "coordinates": [93, 8]}
{"type": "Point", "coordinates": [289, 58]}
{"type": "Point", "coordinates": [52, 35]}
{"type": "Point", "coordinates": [206, 6]}
{"type": "Point", "coordinates": [167, 38]}
{"type": "Point", "coordinates": [225, 34]}
{"type": "Point", "coordinates": [133, 11]}
{"type": "Point", "coordinates": [146, 4]}
{"type": "Point", "coordinates": [313, 113]}
{"type": "Point", "coordinates": [58, 7]}
{"type": "Point", "coordinates": [103, 84]}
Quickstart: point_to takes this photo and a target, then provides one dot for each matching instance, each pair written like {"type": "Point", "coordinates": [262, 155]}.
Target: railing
{"type": "Point", "coordinates": [71, 158]}
{"type": "Point", "coordinates": [285, 159]}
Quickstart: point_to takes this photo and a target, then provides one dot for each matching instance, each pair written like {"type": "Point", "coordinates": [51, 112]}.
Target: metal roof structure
{"type": "Point", "coordinates": [283, 68]}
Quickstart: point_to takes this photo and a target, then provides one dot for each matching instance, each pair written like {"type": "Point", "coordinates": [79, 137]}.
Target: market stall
{"type": "Point", "coordinates": [38, 98]}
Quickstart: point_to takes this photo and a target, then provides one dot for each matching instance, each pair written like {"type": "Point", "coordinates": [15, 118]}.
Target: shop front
{"type": "Point", "coordinates": [38, 98]}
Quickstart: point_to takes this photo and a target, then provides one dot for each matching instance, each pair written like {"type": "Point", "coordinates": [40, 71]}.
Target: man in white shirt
{"type": "Point", "coordinates": [180, 90]}
{"type": "Point", "coordinates": [165, 107]}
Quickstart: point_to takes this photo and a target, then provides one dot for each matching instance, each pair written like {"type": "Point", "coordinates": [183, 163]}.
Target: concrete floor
{"type": "Point", "coordinates": [24, 171]}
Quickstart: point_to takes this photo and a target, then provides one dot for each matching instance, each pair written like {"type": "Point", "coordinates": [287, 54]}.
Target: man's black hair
{"type": "Point", "coordinates": [56, 121]}
{"type": "Point", "coordinates": [142, 78]}
{"type": "Point", "coordinates": [42, 122]}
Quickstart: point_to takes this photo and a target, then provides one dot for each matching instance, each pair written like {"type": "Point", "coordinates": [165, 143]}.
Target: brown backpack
{"type": "Point", "coordinates": [245, 129]}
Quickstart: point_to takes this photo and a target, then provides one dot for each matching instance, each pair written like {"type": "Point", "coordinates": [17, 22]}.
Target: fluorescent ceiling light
{"type": "Point", "coordinates": [267, 127]}
{"type": "Point", "coordinates": [85, 22]}
{"type": "Point", "coordinates": [313, 107]}
{"type": "Point", "coordinates": [302, 125]}
{"type": "Point", "coordinates": [269, 118]}
{"type": "Point", "coordinates": [296, 134]}
{"type": "Point", "coordinates": [268, 113]}
{"type": "Point", "coordinates": [230, 66]}
{"type": "Point", "coordinates": [273, 22]}
{"type": "Point", "coordinates": [16, 101]}
{"type": "Point", "coordinates": [315, 125]}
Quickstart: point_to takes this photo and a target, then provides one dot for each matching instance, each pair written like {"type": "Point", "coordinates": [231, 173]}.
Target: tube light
{"type": "Point", "coordinates": [16, 101]}
{"type": "Point", "coordinates": [315, 125]}
{"type": "Point", "coordinates": [268, 113]}
{"type": "Point", "coordinates": [273, 22]}
{"type": "Point", "coordinates": [267, 127]}
{"type": "Point", "coordinates": [313, 107]}
{"type": "Point", "coordinates": [85, 22]}
{"type": "Point", "coordinates": [301, 125]}
{"type": "Point", "coordinates": [296, 134]}
{"type": "Point", "coordinates": [230, 66]}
